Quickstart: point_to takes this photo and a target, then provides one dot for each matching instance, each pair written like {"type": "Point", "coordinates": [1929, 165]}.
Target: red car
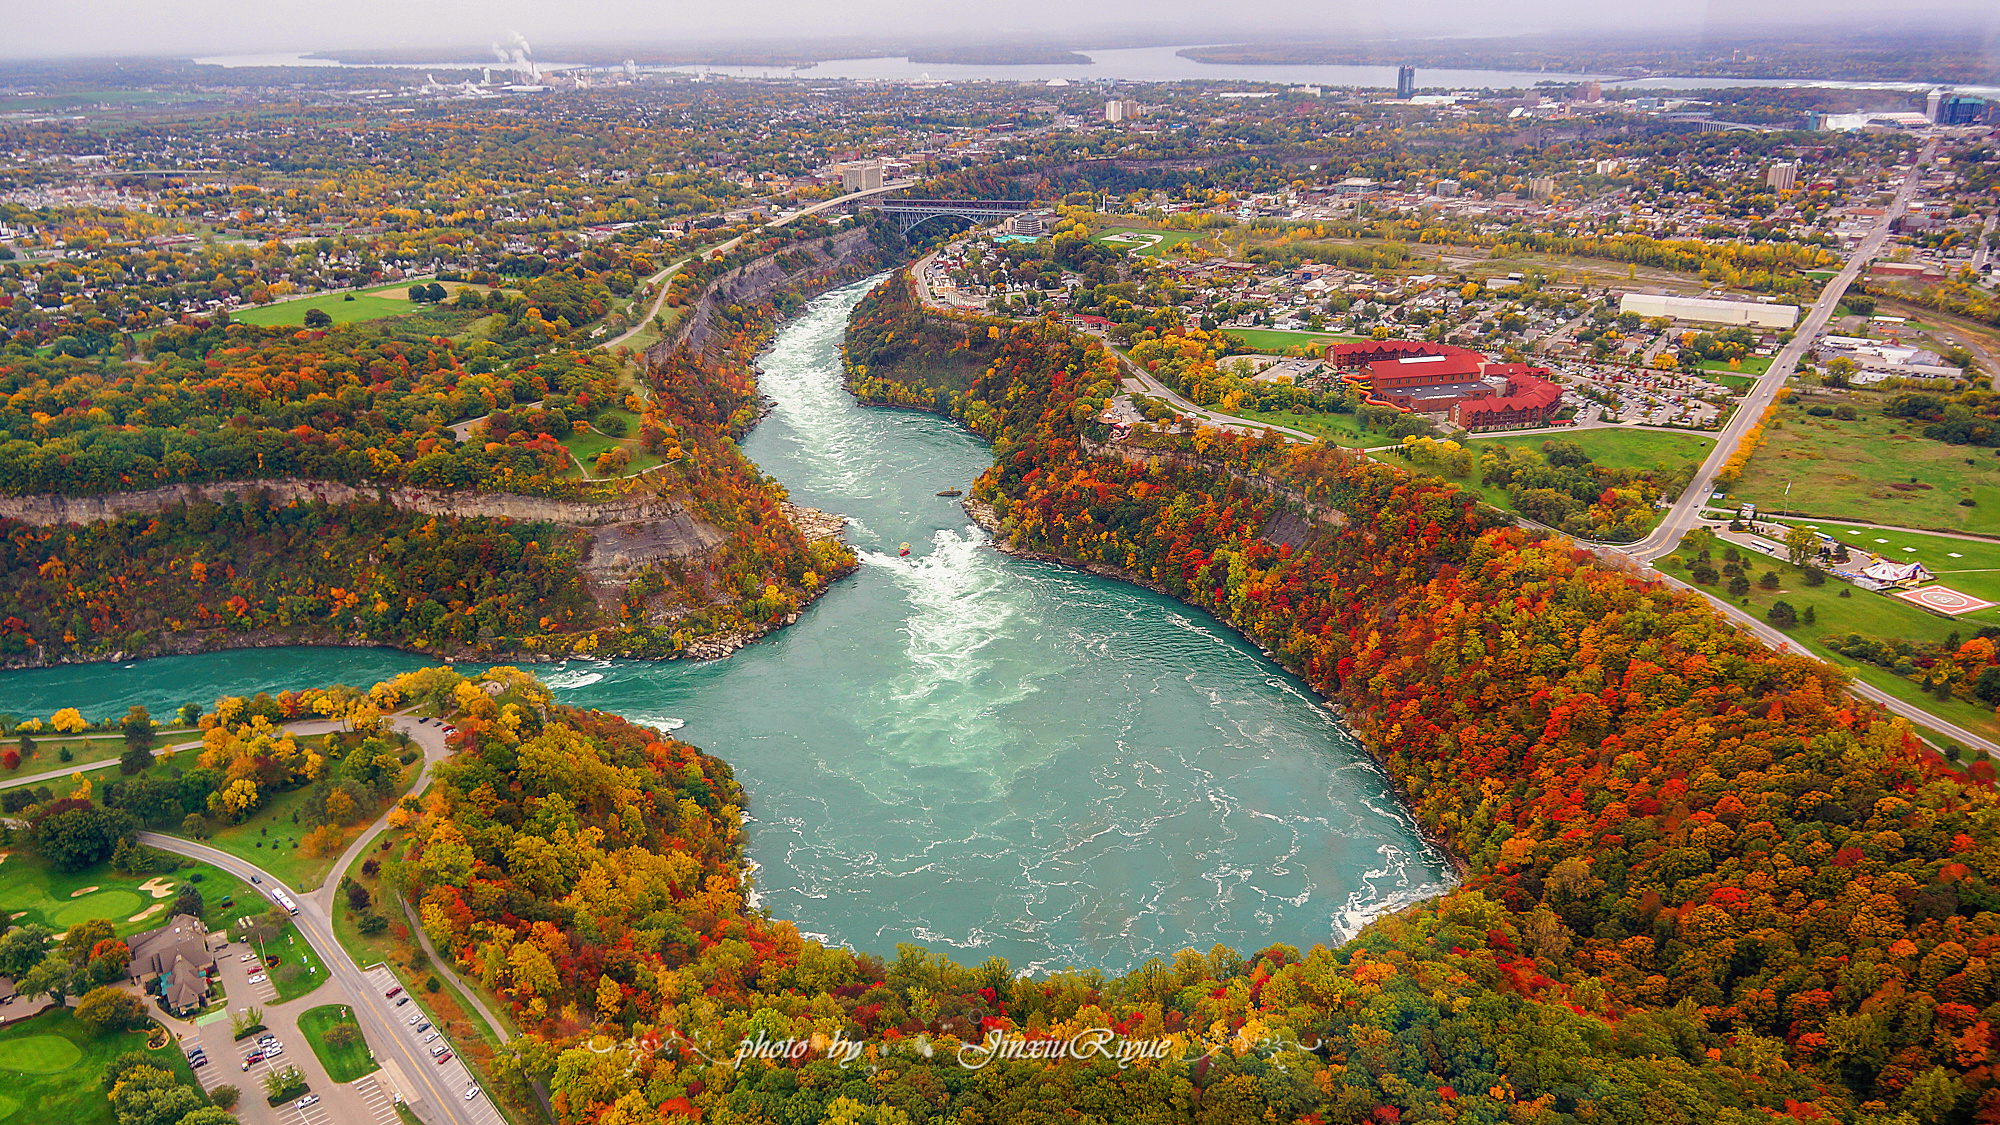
{"type": "Point", "coordinates": [444, 1058]}
{"type": "Point", "coordinates": [392, 992]}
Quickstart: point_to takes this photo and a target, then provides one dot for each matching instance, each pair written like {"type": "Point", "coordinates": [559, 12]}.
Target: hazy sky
{"type": "Point", "coordinates": [98, 27]}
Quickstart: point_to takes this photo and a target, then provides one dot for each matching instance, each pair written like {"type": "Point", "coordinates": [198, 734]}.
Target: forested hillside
{"type": "Point", "coordinates": [370, 405]}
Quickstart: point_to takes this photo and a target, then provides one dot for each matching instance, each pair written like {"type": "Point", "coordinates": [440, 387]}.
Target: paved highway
{"type": "Point", "coordinates": [426, 1089]}
{"type": "Point", "coordinates": [1686, 512]}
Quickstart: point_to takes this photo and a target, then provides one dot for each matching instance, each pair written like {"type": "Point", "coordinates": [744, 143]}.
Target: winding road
{"type": "Point", "coordinates": [435, 1093]}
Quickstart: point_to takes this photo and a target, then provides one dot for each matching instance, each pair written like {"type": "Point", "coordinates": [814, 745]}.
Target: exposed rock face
{"type": "Point", "coordinates": [759, 279]}
{"type": "Point", "coordinates": [43, 509]}
{"type": "Point", "coordinates": [624, 548]}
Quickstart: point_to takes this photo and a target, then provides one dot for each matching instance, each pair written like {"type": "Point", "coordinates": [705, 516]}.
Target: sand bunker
{"type": "Point", "coordinates": [148, 912]}
{"type": "Point", "coordinates": [82, 891]}
{"type": "Point", "coordinates": [158, 887]}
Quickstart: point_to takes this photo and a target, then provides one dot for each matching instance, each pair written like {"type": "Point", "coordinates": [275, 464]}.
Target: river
{"type": "Point", "coordinates": [985, 755]}
{"type": "Point", "coordinates": [1140, 64]}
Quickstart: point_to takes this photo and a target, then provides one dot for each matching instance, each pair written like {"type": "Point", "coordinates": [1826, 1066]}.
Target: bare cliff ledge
{"type": "Point", "coordinates": [626, 534]}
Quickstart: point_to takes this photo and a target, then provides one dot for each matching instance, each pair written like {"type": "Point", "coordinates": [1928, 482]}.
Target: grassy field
{"type": "Point", "coordinates": [270, 837]}
{"type": "Point", "coordinates": [586, 446]}
{"type": "Point", "coordinates": [39, 894]}
{"type": "Point", "coordinates": [1870, 614]}
{"type": "Point", "coordinates": [343, 1064]}
{"type": "Point", "coordinates": [1341, 429]}
{"type": "Point", "coordinates": [1967, 565]}
{"type": "Point", "coordinates": [1619, 447]}
{"type": "Point", "coordinates": [1850, 470]}
{"type": "Point", "coordinates": [371, 304]}
{"type": "Point", "coordinates": [50, 1068]}
{"type": "Point", "coordinates": [1611, 447]}
{"type": "Point", "coordinates": [294, 952]}
{"type": "Point", "coordinates": [83, 750]}
{"type": "Point", "coordinates": [1273, 341]}
{"type": "Point", "coordinates": [1152, 243]}
{"type": "Point", "coordinates": [1752, 366]}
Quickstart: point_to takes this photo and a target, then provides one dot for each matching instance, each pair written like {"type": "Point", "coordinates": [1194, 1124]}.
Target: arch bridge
{"type": "Point", "coordinates": [913, 213]}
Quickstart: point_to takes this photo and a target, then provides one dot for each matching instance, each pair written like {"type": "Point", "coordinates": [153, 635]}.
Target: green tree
{"type": "Point", "coordinates": [23, 949]}
{"type": "Point", "coordinates": [76, 838]}
{"type": "Point", "coordinates": [53, 978]}
{"type": "Point", "coordinates": [225, 1096]}
{"type": "Point", "coordinates": [137, 726]}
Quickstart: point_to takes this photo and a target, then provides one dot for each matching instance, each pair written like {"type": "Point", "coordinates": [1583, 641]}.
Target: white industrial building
{"type": "Point", "coordinates": [1703, 310]}
{"type": "Point", "coordinates": [861, 175]}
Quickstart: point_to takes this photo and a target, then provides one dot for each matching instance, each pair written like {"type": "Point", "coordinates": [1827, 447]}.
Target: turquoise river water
{"type": "Point", "coordinates": [985, 755]}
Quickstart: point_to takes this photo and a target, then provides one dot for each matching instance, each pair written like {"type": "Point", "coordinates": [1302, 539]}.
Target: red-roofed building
{"type": "Point", "coordinates": [1422, 377]}
{"type": "Point", "coordinates": [1529, 400]}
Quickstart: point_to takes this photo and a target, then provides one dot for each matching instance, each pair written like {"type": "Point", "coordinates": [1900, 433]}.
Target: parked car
{"type": "Point", "coordinates": [471, 1092]}
{"type": "Point", "coordinates": [309, 1099]}
{"type": "Point", "coordinates": [258, 978]}
{"type": "Point", "coordinates": [424, 1026]}
{"type": "Point", "coordinates": [402, 1002]}
{"type": "Point", "coordinates": [444, 1058]}
{"type": "Point", "coordinates": [252, 1059]}
{"type": "Point", "coordinates": [274, 1050]}
{"type": "Point", "coordinates": [248, 958]}
{"type": "Point", "coordinates": [392, 992]}
{"type": "Point", "coordinates": [429, 1035]}
{"type": "Point", "coordinates": [264, 1039]}
{"type": "Point", "coordinates": [198, 1062]}
{"type": "Point", "coordinates": [416, 1018]}
{"type": "Point", "coordinates": [438, 1050]}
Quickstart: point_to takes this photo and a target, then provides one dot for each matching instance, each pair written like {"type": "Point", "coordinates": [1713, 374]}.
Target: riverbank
{"type": "Point", "coordinates": [983, 514]}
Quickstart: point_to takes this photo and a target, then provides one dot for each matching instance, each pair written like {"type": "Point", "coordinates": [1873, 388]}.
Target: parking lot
{"type": "Point", "coordinates": [449, 1076]}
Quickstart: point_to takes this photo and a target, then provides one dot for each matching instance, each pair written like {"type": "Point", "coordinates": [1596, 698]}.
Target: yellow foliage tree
{"type": "Point", "coordinates": [68, 720]}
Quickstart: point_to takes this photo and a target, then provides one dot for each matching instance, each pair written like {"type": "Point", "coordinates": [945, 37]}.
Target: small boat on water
{"type": "Point", "coordinates": [951, 492]}
{"type": "Point", "coordinates": [904, 551]}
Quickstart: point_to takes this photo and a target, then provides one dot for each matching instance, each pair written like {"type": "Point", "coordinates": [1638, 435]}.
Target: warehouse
{"type": "Point", "coordinates": [1703, 310]}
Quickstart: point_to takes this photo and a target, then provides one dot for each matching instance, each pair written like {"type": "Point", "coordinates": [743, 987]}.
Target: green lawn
{"type": "Point", "coordinates": [1341, 429]}
{"type": "Point", "coordinates": [82, 750]}
{"type": "Point", "coordinates": [1153, 243]}
{"type": "Point", "coordinates": [293, 952]}
{"type": "Point", "coordinates": [1874, 470]}
{"type": "Point", "coordinates": [270, 837]}
{"type": "Point", "coordinates": [1752, 366]}
{"type": "Point", "coordinates": [1613, 447]}
{"type": "Point", "coordinates": [1864, 612]}
{"type": "Point", "coordinates": [38, 894]}
{"type": "Point", "coordinates": [1616, 447]}
{"type": "Point", "coordinates": [364, 306]}
{"type": "Point", "coordinates": [368, 949]}
{"type": "Point", "coordinates": [343, 1064]}
{"type": "Point", "coordinates": [50, 1067]}
{"type": "Point", "coordinates": [1972, 566]}
{"type": "Point", "coordinates": [1736, 383]}
{"type": "Point", "coordinates": [586, 446]}
{"type": "Point", "coordinates": [1273, 341]}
